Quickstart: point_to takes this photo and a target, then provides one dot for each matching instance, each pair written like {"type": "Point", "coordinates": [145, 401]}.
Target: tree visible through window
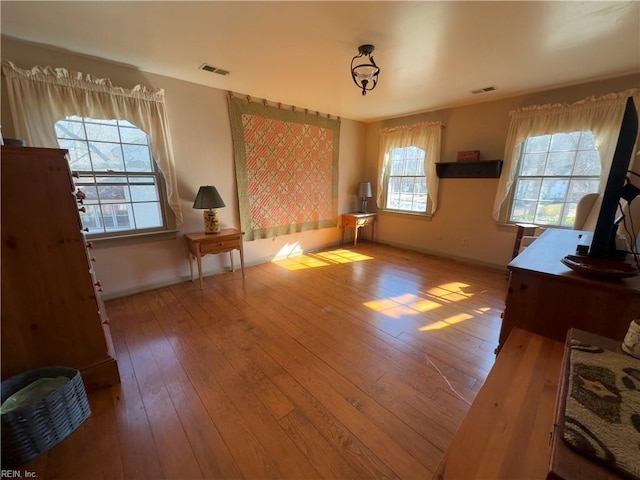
{"type": "Point", "coordinates": [407, 182]}
{"type": "Point", "coordinates": [554, 173]}
{"type": "Point", "coordinates": [116, 173]}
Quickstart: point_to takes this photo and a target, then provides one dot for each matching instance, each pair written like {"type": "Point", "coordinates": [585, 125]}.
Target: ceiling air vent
{"type": "Point", "coordinates": [483, 90]}
{"type": "Point", "coordinates": [212, 69]}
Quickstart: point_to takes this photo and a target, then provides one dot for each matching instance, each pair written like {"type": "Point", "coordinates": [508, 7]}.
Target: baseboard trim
{"type": "Point", "coordinates": [186, 278]}
{"type": "Point", "coordinates": [206, 273]}
{"type": "Point", "coordinates": [426, 251]}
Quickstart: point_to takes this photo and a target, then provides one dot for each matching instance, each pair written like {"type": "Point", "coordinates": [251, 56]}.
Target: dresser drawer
{"type": "Point", "coordinates": [219, 246]}
{"type": "Point", "coordinates": [351, 220]}
{"type": "Point", "coordinates": [365, 221]}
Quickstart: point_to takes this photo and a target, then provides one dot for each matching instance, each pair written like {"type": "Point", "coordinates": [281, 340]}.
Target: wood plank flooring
{"type": "Point", "coordinates": [347, 363]}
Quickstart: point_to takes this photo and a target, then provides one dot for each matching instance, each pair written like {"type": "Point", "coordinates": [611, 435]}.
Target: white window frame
{"type": "Point", "coordinates": [407, 156]}
{"type": "Point", "coordinates": [585, 147]}
{"type": "Point", "coordinates": [88, 178]}
{"type": "Point", "coordinates": [41, 96]}
{"type": "Point", "coordinates": [425, 136]}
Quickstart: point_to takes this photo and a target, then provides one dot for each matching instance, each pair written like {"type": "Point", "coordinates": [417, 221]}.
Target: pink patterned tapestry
{"type": "Point", "coordinates": [286, 169]}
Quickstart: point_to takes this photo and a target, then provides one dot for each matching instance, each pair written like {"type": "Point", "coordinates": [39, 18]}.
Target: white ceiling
{"type": "Point", "coordinates": [432, 54]}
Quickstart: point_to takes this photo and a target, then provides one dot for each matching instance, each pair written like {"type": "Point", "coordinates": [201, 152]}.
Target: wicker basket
{"type": "Point", "coordinates": [33, 429]}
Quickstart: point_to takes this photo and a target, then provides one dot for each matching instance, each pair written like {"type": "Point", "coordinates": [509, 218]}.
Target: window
{"type": "Point", "coordinates": [116, 173]}
{"type": "Point", "coordinates": [554, 173]}
{"type": "Point", "coordinates": [407, 182]}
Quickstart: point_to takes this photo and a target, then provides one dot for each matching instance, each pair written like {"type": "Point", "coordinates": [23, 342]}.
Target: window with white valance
{"type": "Point", "coordinates": [42, 96]}
{"type": "Point", "coordinates": [407, 179]}
{"type": "Point", "coordinates": [598, 118]}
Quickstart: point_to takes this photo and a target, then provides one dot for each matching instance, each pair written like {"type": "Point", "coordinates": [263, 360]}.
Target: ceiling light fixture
{"type": "Point", "coordinates": [365, 71]}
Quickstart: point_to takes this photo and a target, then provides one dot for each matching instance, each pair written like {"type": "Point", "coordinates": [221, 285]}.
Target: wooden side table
{"type": "Point", "coordinates": [201, 244]}
{"type": "Point", "coordinates": [357, 221]}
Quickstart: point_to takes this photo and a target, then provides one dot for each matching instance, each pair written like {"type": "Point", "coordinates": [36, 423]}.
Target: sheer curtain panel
{"type": "Point", "coordinates": [426, 136]}
{"type": "Point", "coordinates": [600, 115]}
{"type": "Point", "coordinates": [39, 97]}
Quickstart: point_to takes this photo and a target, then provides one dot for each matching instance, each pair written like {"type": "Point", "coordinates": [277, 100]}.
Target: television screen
{"type": "Point", "coordinates": [603, 244]}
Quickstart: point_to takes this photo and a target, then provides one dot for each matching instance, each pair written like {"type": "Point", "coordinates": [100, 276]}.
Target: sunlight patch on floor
{"type": "Point", "coordinates": [344, 256]}
{"type": "Point", "coordinates": [451, 292]}
{"type": "Point", "coordinates": [292, 257]}
{"type": "Point", "coordinates": [407, 304]}
{"type": "Point", "coordinates": [482, 310]}
{"type": "Point", "coordinates": [300, 262]}
{"type": "Point", "coordinates": [439, 325]}
{"type": "Point", "coordinates": [431, 299]}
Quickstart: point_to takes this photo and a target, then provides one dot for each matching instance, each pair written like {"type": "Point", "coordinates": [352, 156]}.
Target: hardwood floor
{"type": "Point", "coordinates": [342, 364]}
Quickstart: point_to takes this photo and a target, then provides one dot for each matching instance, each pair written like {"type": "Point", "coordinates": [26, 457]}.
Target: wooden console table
{"type": "Point", "coordinates": [357, 221]}
{"type": "Point", "coordinates": [507, 431]}
{"type": "Point", "coordinates": [201, 244]}
{"type": "Point", "coordinates": [548, 298]}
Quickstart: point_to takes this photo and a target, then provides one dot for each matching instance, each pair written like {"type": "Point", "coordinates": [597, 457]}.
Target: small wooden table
{"type": "Point", "coordinates": [507, 431]}
{"type": "Point", "coordinates": [357, 221]}
{"type": "Point", "coordinates": [201, 244]}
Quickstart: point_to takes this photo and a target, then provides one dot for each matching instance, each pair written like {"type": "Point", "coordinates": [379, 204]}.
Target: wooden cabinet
{"type": "Point", "coordinates": [548, 298]}
{"type": "Point", "coordinates": [52, 314]}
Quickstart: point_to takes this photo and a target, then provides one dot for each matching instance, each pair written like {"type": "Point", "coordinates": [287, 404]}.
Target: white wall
{"type": "Point", "coordinates": [463, 226]}
{"type": "Point", "coordinates": [201, 135]}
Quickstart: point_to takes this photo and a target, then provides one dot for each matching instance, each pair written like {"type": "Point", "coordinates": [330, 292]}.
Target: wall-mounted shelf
{"type": "Point", "coordinates": [481, 169]}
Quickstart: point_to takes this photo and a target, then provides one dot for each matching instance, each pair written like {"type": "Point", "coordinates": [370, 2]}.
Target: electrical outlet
{"type": "Point", "coordinates": [465, 241]}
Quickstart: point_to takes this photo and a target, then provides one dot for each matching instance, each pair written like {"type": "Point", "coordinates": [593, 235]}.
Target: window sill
{"type": "Point", "coordinates": [132, 239]}
{"type": "Point", "coordinates": [399, 213]}
{"type": "Point", "coordinates": [539, 225]}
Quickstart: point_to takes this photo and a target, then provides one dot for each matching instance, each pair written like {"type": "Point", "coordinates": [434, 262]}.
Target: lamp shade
{"type": "Point", "coordinates": [208, 197]}
{"type": "Point", "coordinates": [364, 190]}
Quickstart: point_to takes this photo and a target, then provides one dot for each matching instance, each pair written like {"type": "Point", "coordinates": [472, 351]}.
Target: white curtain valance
{"type": "Point", "coordinates": [602, 115]}
{"type": "Point", "coordinates": [41, 96]}
{"type": "Point", "coordinates": [426, 136]}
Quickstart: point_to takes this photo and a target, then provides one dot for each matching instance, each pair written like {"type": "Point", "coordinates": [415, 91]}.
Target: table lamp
{"type": "Point", "coordinates": [209, 199]}
{"type": "Point", "coordinates": [364, 192]}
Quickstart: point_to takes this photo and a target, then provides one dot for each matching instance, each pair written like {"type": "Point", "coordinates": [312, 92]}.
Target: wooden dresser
{"type": "Point", "coordinates": [548, 298]}
{"type": "Point", "coordinates": [52, 314]}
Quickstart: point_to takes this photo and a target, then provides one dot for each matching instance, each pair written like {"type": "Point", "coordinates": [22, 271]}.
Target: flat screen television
{"type": "Point", "coordinates": [603, 243]}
